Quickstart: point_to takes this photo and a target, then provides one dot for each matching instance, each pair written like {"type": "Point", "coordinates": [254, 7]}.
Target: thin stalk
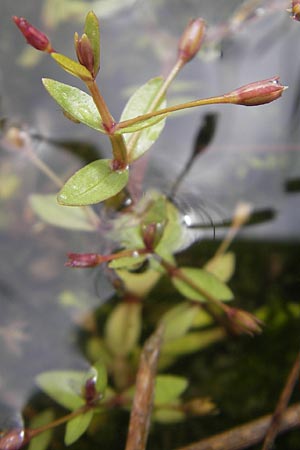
{"type": "Point", "coordinates": [117, 141]}
{"type": "Point", "coordinates": [156, 101]}
{"type": "Point", "coordinates": [170, 109]}
{"type": "Point", "coordinates": [31, 433]}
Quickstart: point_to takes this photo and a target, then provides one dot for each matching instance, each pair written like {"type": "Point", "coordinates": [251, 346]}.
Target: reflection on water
{"type": "Point", "coordinates": [253, 154]}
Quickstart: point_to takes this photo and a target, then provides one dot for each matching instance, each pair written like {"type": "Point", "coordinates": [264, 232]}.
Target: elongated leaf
{"type": "Point", "coordinates": [222, 267]}
{"type": "Point", "coordinates": [78, 104]}
{"type": "Point", "coordinates": [168, 388]}
{"type": "Point", "coordinates": [192, 342]}
{"type": "Point", "coordinates": [77, 426]}
{"type": "Point", "coordinates": [139, 104]}
{"type": "Point", "coordinates": [123, 328]}
{"type": "Point", "coordinates": [139, 284]}
{"type": "Point", "coordinates": [47, 208]}
{"type": "Point", "coordinates": [63, 386]}
{"type": "Point", "coordinates": [41, 441]}
{"type": "Point", "coordinates": [92, 31]}
{"type": "Point", "coordinates": [206, 281]}
{"type": "Point", "coordinates": [72, 67]}
{"type": "Point", "coordinates": [128, 262]}
{"type": "Point", "coordinates": [178, 320]}
{"type": "Point", "coordinates": [92, 184]}
{"type": "Point", "coordinates": [168, 415]}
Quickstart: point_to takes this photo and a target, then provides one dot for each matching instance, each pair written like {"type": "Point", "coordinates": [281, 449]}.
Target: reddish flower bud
{"type": "Point", "coordinates": [243, 322]}
{"type": "Point", "coordinates": [33, 36]}
{"type": "Point", "coordinates": [191, 40]}
{"type": "Point", "coordinates": [296, 10]}
{"type": "Point", "coordinates": [83, 260]}
{"type": "Point", "coordinates": [152, 234]}
{"type": "Point", "coordinates": [257, 93]}
{"type": "Point", "coordinates": [90, 392]}
{"type": "Point", "coordinates": [84, 52]}
{"type": "Point", "coordinates": [13, 439]}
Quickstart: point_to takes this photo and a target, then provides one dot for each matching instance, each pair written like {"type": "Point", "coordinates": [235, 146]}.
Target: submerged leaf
{"type": "Point", "coordinates": [47, 208]}
{"type": "Point", "coordinates": [77, 426]}
{"type": "Point", "coordinates": [178, 320]}
{"type": "Point", "coordinates": [41, 441]}
{"type": "Point", "coordinates": [168, 388]}
{"type": "Point", "coordinates": [92, 184]}
{"type": "Point", "coordinates": [222, 266]}
{"type": "Point", "coordinates": [140, 103]}
{"type": "Point", "coordinates": [63, 386]}
{"type": "Point", "coordinates": [206, 282]}
{"type": "Point", "coordinates": [123, 328]}
{"type": "Point", "coordinates": [76, 103]}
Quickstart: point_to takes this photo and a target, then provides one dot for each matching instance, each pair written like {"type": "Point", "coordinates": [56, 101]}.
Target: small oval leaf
{"type": "Point", "coordinates": [63, 386]}
{"type": "Point", "coordinates": [140, 103]}
{"type": "Point", "coordinates": [77, 426]}
{"type": "Point", "coordinates": [206, 281]}
{"type": "Point", "coordinates": [168, 388]}
{"type": "Point", "coordinates": [222, 267]}
{"type": "Point", "coordinates": [76, 103]}
{"type": "Point", "coordinates": [92, 184]}
{"type": "Point", "coordinates": [47, 208]}
{"type": "Point", "coordinates": [178, 320]}
{"type": "Point", "coordinates": [72, 67]}
{"type": "Point", "coordinates": [123, 328]}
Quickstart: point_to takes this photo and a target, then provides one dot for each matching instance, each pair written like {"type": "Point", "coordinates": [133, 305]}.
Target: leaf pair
{"type": "Point", "coordinates": [70, 390]}
{"type": "Point", "coordinates": [98, 181]}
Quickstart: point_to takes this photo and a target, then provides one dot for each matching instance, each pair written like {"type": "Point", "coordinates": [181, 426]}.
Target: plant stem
{"type": "Point", "coordinates": [247, 435]}
{"type": "Point", "coordinates": [171, 109]}
{"type": "Point", "coordinates": [117, 141]}
{"type": "Point", "coordinates": [31, 433]}
{"type": "Point", "coordinates": [140, 416]}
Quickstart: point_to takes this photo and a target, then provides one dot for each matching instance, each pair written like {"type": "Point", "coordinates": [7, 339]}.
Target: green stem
{"type": "Point", "coordinates": [171, 109]}
{"type": "Point", "coordinates": [117, 141]}
{"type": "Point", "coordinates": [156, 101]}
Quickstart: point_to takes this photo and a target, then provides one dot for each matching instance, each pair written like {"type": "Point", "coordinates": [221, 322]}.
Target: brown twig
{"type": "Point", "coordinates": [144, 393]}
{"type": "Point", "coordinates": [282, 404]}
{"type": "Point", "coordinates": [249, 434]}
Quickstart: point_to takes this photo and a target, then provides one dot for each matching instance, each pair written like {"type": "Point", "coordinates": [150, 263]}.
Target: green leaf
{"type": "Point", "coordinates": [72, 67]}
{"type": "Point", "coordinates": [101, 377]}
{"type": "Point", "coordinates": [168, 415]}
{"type": "Point", "coordinates": [139, 104]}
{"type": "Point", "coordinates": [76, 103]}
{"type": "Point", "coordinates": [178, 320]}
{"type": "Point", "coordinates": [92, 31]}
{"type": "Point", "coordinates": [206, 281]}
{"type": "Point", "coordinates": [168, 388]}
{"type": "Point", "coordinates": [41, 441]}
{"type": "Point", "coordinates": [77, 426]}
{"type": "Point", "coordinates": [123, 328]}
{"type": "Point", "coordinates": [127, 262]}
{"type": "Point", "coordinates": [139, 284]}
{"type": "Point", "coordinates": [222, 267]}
{"type": "Point", "coordinates": [47, 208]}
{"type": "Point", "coordinates": [92, 184]}
{"type": "Point", "coordinates": [192, 342]}
{"type": "Point", "coordinates": [63, 386]}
